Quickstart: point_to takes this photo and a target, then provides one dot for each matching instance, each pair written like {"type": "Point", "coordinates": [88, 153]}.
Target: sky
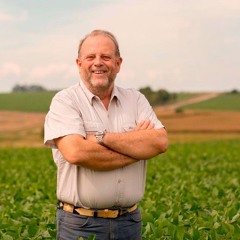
{"type": "Point", "coordinates": [176, 45]}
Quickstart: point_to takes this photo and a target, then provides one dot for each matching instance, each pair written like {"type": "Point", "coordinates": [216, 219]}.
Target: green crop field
{"type": "Point", "coordinates": [229, 102]}
{"type": "Point", "coordinates": [40, 101]}
{"type": "Point", "coordinates": [28, 102]}
{"type": "Point", "coordinates": [186, 95]}
{"type": "Point", "coordinates": [192, 192]}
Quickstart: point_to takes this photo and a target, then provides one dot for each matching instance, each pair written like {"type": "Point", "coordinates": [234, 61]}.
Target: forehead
{"type": "Point", "coordinates": [98, 44]}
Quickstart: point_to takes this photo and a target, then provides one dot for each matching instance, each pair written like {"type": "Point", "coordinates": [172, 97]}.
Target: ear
{"type": "Point", "coordinates": [119, 62]}
{"type": "Point", "coordinates": [78, 62]}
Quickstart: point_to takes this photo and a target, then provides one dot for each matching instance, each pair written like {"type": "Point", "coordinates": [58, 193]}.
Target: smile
{"type": "Point", "coordinates": [99, 71]}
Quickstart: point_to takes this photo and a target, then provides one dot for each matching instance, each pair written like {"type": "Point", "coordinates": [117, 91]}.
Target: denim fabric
{"type": "Point", "coordinates": [73, 226]}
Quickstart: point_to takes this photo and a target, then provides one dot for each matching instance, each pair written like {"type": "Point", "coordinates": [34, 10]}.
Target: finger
{"type": "Point", "coordinates": [91, 138]}
{"type": "Point", "coordinates": [139, 125]}
{"type": "Point", "coordinates": [151, 126]}
{"type": "Point", "coordinates": [146, 124]}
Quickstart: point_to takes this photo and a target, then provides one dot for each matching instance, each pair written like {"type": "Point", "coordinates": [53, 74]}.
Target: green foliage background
{"type": "Point", "coordinates": [158, 97]}
{"type": "Point", "coordinates": [27, 182]}
{"type": "Point", "coordinates": [192, 192]}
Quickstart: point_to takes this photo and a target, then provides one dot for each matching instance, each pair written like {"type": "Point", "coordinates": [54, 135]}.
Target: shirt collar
{"type": "Point", "coordinates": [90, 96]}
{"type": "Point", "coordinates": [115, 93]}
{"type": "Point", "coordinates": [87, 93]}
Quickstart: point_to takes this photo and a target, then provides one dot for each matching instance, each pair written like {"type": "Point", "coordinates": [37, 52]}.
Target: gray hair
{"type": "Point", "coordinates": [100, 32]}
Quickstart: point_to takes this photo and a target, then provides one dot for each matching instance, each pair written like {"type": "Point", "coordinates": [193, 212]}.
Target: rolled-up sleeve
{"type": "Point", "coordinates": [62, 119]}
{"type": "Point", "coordinates": [145, 111]}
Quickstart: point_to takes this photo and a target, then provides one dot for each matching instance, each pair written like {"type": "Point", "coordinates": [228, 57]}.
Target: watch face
{"type": "Point", "coordinates": [99, 133]}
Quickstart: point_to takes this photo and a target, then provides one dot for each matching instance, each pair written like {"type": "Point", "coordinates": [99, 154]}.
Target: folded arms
{"type": "Point", "coordinates": [119, 150]}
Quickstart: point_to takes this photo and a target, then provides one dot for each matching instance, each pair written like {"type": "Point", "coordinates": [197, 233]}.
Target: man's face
{"type": "Point", "coordinates": [98, 64]}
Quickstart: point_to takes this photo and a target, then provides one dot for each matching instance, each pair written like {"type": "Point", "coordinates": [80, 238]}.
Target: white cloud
{"type": "Point", "coordinates": [6, 17]}
{"type": "Point", "coordinates": [11, 17]}
{"type": "Point", "coordinates": [62, 70]}
{"type": "Point", "coordinates": [10, 70]}
{"type": "Point", "coordinates": [175, 44]}
{"type": "Point", "coordinates": [46, 71]}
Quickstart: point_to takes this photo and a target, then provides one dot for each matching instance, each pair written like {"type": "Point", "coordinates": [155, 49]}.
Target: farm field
{"type": "Point", "coordinates": [25, 129]}
{"type": "Point", "coordinates": [21, 129]}
{"type": "Point", "coordinates": [199, 125]}
{"type": "Point", "coordinates": [26, 102]}
{"type": "Point", "coordinates": [40, 101]}
{"type": "Point", "coordinates": [230, 102]}
{"type": "Point", "coordinates": [192, 192]}
{"type": "Point", "coordinates": [21, 123]}
{"type": "Point", "coordinates": [203, 117]}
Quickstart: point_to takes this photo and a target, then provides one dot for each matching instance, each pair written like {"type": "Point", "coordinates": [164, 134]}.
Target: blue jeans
{"type": "Point", "coordinates": [72, 226]}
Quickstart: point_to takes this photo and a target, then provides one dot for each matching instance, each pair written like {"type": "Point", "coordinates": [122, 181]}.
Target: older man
{"type": "Point", "coordinates": [101, 136]}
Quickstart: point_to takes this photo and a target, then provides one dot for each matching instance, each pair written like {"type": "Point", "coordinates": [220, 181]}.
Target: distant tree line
{"type": "Point", "coordinates": [28, 88]}
{"type": "Point", "coordinates": [160, 96]}
{"type": "Point", "coordinates": [234, 91]}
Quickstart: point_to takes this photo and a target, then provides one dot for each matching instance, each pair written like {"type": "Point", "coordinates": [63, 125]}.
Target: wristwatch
{"type": "Point", "coordinates": [99, 136]}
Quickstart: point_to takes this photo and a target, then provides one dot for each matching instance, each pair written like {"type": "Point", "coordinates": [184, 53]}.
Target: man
{"type": "Point", "coordinates": [101, 136]}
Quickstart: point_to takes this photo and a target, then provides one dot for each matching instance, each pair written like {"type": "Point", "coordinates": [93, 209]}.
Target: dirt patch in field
{"type": "Point", "coordinates": [196, 125]}
{"type": "Point", "coordinates": [200, 125]}
{"type": "Point", "coordinates": [19, 129]}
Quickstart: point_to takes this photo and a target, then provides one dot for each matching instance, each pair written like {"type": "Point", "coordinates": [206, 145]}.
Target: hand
{"type": "Point", "coordinates": [144, 124]}
{"type": "Point", "coordinates": [92, 138]}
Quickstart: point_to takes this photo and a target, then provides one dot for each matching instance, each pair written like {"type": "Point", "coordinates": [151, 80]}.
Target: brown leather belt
{"type": "Point", "coordinates": [102, 213]}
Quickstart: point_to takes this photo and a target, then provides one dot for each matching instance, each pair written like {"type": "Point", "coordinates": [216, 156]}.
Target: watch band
{"type": "Point", "coordinates": [99, 136]}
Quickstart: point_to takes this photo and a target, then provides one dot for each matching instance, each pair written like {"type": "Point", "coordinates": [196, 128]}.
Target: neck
{"type": "Point", "coordinates": [104, 95]}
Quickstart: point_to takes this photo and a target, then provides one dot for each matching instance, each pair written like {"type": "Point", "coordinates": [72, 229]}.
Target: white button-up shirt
{"type": "Point", "coordinates": [76, 110]}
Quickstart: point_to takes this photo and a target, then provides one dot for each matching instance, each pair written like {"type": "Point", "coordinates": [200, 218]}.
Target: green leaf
{"type": "Point", "coordinates": [92, 237]}
{"type": "Point", "coordinates": [227, 227]}
{"type": "Point", "coordinates": [7, 237]}
{"type": "Point", "coordinates": [180, 233]}
{"type": "Point", "coordinates": [196, 234]}
{"type": "Point", "coordinates": [216, 225]}
{"type": "Point", "coordinates": [235, 218]}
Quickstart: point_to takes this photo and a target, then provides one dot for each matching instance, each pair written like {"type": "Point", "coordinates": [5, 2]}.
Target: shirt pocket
{"type": "Point", "coordinates": [128, 126]}
{"type": "Point", "coordinates": [93, 127]}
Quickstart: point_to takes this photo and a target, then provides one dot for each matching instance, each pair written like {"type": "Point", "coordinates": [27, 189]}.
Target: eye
{"type": "Point", "coordinates": [90, 57]}
{"type": "Point", "coordinates": [106, 57]}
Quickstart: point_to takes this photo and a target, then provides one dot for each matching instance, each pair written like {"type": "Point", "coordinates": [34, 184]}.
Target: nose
{"type": "Point", "coordinates": [98, 61]}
